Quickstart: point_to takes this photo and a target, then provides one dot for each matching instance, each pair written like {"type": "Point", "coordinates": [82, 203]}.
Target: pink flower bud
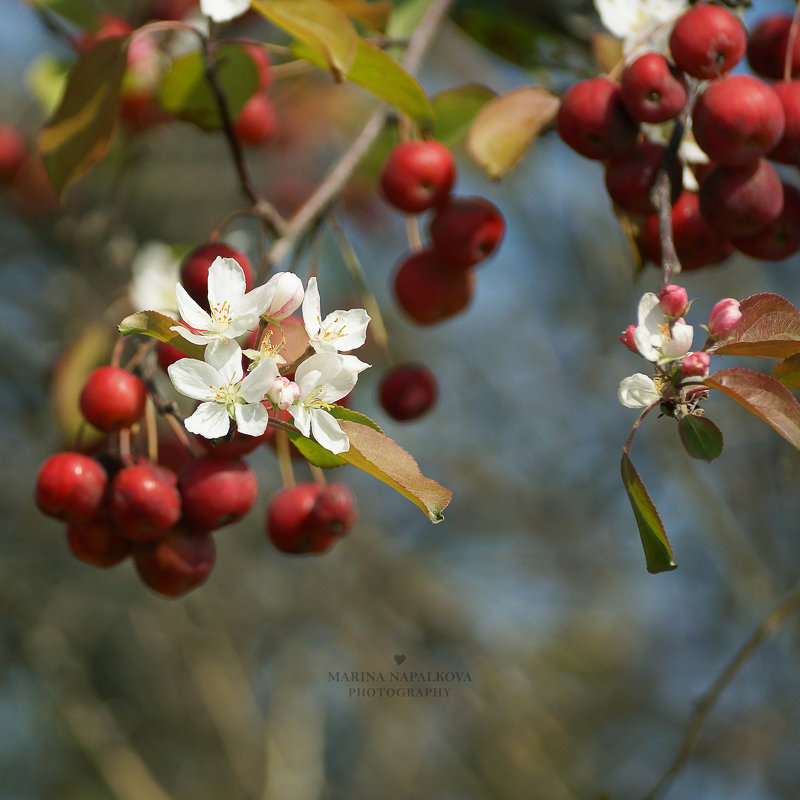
{"type": "Point", "coordinates": [674, 300]}
{"type": "Point", "coordinates": [287, 295]}
{"type": "Point", "coordinates": [283, 392]}
{"type": "Point", "coordinates": [627, 339]}
{"type": "Point", "coordinates": [695, 364]}
{"type": "Point", "coordinates": [724, 317]}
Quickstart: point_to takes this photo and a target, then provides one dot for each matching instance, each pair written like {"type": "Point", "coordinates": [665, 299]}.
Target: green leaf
{"type": "Point", "coordinates": [383, 458]}
{"type": "Point", "coordinates": [454, 110]}
{"type": "Point", "coordinates": [657, 549]}
{"type": "Point", "coordinates": [763, 396]}
{"type": "Point", "coordinates": [83, 13]}
{"type": "Point", "coordinates": [505, 127]}
{"type": "Point", "coordinates": [151, 323]}
{"type": "Point", "coordinates": [80, 131]}
{"type": "Point", "coordinates": [701, 438]}
{"type": "Point", "coordinates": [378, 73]}
{"type": "Point", "coordinates": [374, 15]}
{"type": "Point", "coordinates": [769, 328]}
{"type": "Point", "coordinates": [186, 92]}
{"type": "Point", "coordinates": [787, 372]}
{"type": "Point", "coordinates": [315, 453]}
{"type": "Point", "coordinates": [342, 413]}
{"type": "Point", "coordinates": [320, 26]}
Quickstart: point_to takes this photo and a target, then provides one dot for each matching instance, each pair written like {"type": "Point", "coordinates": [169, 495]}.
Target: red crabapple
{"type": "Point", "coordinates": [97, 541]}
{"type": "Point", "coordinates": [177, 563]}
{"type": "Point", "coordinates": [12, 151]}
{"type": "Point", "coordinates": [593, 120]}
{"type": "Point", "coordinates": [741, 201]}
{"type": "Point", "coordinates": [652, 89]}
{"type": "Point", "coordinates": [216, 491]}
{"type": "Point", "coordinates": [707, 41]}
{"type": "Point", "coordinates": [630, 177]}
{"type": "Point", "coordinates": [334, 512]}
{"type": "Point", "coordinates": [737, 119]}
{"type": "Point", "coordinates": [781, 238]}
{"type": "Point", "coordinates": [112, 399]}
{"type": "Point", "coordinates": [144, 502]}
{"type": "Point", "coordinates": [194, 270]}
{"type": "Point", "coordinates": [70, 486]}
{"type": "Point", "coordinates": [408, 391]}
{"type": "Point", "coordinates": [466, 230]}
{"type": "Point", "coordinates": [418, 175]}
{"type": "Point", "coordinates": [429, 290]}
{"type": "Point", "coordinates": [256, 121]}
{"type": "Point", "coordinates": [787, 150]}
{"type": "Point", "coordinates": [767, 45]}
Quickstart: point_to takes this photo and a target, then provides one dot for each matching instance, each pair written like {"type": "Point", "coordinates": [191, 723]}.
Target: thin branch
{"type": "Point", "coordinates": [789, 603]}
{"type": "Point", "coordinates": [330, 187]}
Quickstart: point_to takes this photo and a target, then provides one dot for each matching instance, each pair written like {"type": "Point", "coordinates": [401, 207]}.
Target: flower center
{"type": "Point", "coordinates": [330, 334]}
{"type": "Point", "coordinates": [227, 395]}
{"type": "Point", "coordinates": [220, 315]}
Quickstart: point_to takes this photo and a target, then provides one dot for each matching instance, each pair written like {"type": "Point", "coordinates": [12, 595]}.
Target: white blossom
{"type": "Point", "coordinates": [218, 382]}
{"type": "Point", "coordinates": [340, 330]}
{"type": "Point", "coordinates": [224, 10]}
{"type": "Point", "coordinates": [656, 337]}
{"type": "Point", "coordinates": [321, 380]}
{"type": "Point", "coordinates": [285, 295]}
{"type": "Point", "coordinates": [637, 391]}
{"type": "Point", "coordinates": [637, 22]}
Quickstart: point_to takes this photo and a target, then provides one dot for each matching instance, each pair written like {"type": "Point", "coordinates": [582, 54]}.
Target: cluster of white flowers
{"type": "Point", "coordinates": [219, 382]}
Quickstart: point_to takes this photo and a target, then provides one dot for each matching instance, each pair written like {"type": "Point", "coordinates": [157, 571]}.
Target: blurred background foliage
{"type": "Point", "coordinates": [583, 668]}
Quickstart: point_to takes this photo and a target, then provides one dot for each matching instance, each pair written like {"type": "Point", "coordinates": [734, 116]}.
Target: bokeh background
{"type": "Point", "coordinates": [581, 668]}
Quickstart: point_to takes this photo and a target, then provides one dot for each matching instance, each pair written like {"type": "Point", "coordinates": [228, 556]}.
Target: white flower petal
{"type": "Point", "coordinates": [254, 303]}
{"type": "Point", "coordinates": [224, 10]}
{"type": "Point", "coordinates": [194, 338]}
{"type": "Point", "coordinates": [637, 391]}
{"type": "Point", "coordinates": [210, 420]}
{"type": "Point", "coordinates": [302, 419]}
{"type": "Point", "coordinates": [349, 328]}
{"type": "Point", "coordinates": [194, 378]}
{"type": "Point", "coordinates": [191, 313]}
{"type": "Point", "coordinates": [226, 358]}
{"type": "Point", "coordinates": [286, 297]}
{"type": "Point", "coordinates": [226, 283]}
{"type": "Point", "coordinates": [251, 419]}
{"type": "Point", "coordinates": [326, 431]}
{"type": "Point", "coordinates": [680, 341]}
{"type": "Point", "coordinates": [258, 381]}
{"type": "Point", "coordinates": [311, 308]}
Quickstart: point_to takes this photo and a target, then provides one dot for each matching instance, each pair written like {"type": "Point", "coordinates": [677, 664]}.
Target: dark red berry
{"type": "Point", "coordinates": [334, 512]}
{"type": "Point", "coordinates": [787, 150]}
{"type": "Point", "coordinates": [652, 89]}
{"type": "Point", "coordinates": [408, 391]}
{"type": "Point", "coordinates": [112, 399]}
{"type": "Point", "coordinates": [177, 563]}
{"type": "Point", "coordinates": [144, 502]}
{"type": "Point", "coordinates": [767, 45]}
{"type": "Point", "coordinates": [630, 177]}
{"type": "Point", "coordinates": [216, 491]}
{"type": "Point", "coordinates": [781, 238]}
{"type": "Point", "coordinates": [70, 486]}
{"type": "Point", "coordinates": [256, 121]}
{"type": "Point", "coordinates": [465, 230]}
{"type": "Point", "coordinates": [707, 41]}
{"type": "Point", "coordinates": [418, 175]}
{"type": "Point", "coordinates": [12, 151]}
{"type": "Point", "coordinates": [97, 541]}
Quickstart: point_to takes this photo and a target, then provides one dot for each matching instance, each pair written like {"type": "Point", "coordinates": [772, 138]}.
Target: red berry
{"type": "Point", "coordinates": [12, 151]}
{"type": "Point", "coordinates": [630, 177]}
{"type": "Point", "coordinates": [465, 230]}
{"type": "Point", "coordinates": [781, 238]}
{"type": "Point", "coordinates": [787, 150]}
{"type": "Point", "coordinates": [144, 502]}
{"type": "Point", "coordinates": [171, 9]}
{"type": "Point", "coordinates": [652, 89]}
{"type": "Point", "coordinates": [429, 290]}
{"type": "Point", "coordinates": [767, 46]}
{"type": "Point", "coordinates": [70, 486]}
{"type": "Point", "coordinates": [194, 271]}
{"type": "Point", "coordinates": [737, 119]}
{"type": "Point", "coordinates": [707, 41]}
{"type": "Point", "coordinates": [593, 120]}
{"type": "Point", "coordinates": [418, 175]}
{"type": "Point", "coordinates": [256, 121]}
{"type": "Point", "coordinates": [307, 518]}
{"type": "Point", "coordinates": [216, 491]}
{"type": "Point", "coordinates": [408, 391]}
{"type": "Point", "coordinates": [97, 541]}
{"type": "Point", "coordinates": [696, 243]}
{"type": "Point", "coordinates": [167, 354]}
{"type": "Point", "coordinates": [112, 399]}
{"type": "Point", "coordinates": [176, 564]}
{"type": "Point", "coordinates": [108, 26]}
{"type": "Point", "coordinates": [741, 201]}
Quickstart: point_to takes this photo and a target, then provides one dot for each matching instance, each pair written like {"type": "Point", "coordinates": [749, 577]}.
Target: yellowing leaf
{"type": "Point", "coordinates": [788, 372]}
{"type": "Point", "coordinates": [763, 396]}
{"type": "Point", "coordinates": [504, 128]}
{"type": "Point", "coordinates": [80, 131]}
{"type": "Point", "coordinates": [657, 549]}
{"type": "Point", "coordinates": [373, 15]}
{"type": "Point", "coordinates": [152, 323]}
{"type": "Point", "coordinates": [320, 25]}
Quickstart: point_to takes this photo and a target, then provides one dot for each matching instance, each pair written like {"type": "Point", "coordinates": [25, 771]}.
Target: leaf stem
{"type": "Point", "coordinates": [629, 441]}
{"type": "Point", "coordinates": [789, 603]}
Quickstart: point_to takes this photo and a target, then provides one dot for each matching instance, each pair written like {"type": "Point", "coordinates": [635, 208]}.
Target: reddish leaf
{"type": "Point", "coordinates": [657, 549]}
{"type": "Point", "coordinates": [763, 396]}
{"type": "Point", "coordinates": [770, 328]}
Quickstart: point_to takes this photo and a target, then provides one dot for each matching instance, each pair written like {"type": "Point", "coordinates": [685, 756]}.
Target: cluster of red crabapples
{"type": "Point", "coordinates": [437, 282]}
{"type": "Point", "coordinates": [118, 505]}
{"type": "Point", "coordinates": [741, 122]}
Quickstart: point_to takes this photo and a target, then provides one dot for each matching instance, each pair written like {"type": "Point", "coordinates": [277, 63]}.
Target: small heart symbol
{"type": "Point", "coordinates": [399, 660]}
